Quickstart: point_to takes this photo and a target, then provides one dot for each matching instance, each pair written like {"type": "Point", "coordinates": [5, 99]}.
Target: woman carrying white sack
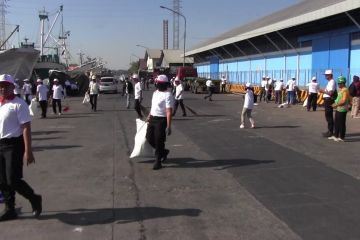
{"type": "Point", "coordinates": [160, 120]}
{"type": "Point", "coordinates": [248, 106]}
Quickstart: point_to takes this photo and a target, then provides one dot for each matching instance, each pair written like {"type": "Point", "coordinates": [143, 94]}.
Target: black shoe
{"type": "Point", "coordinates": [157, 165]}
{"type": "Point", "coordinates": [166, 153]}
{"type": "Point", "coordinates": [9, 214]}
{"type": "Point", "coordinates": [327, 134]}
{"type": "Point", "coordinates": [184, 115]}
{"type": "Point", "coordinates": [36, 204]}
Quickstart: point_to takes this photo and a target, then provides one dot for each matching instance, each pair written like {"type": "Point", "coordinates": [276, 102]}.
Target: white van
{"type": "Point", "coordinates": [108, 84]}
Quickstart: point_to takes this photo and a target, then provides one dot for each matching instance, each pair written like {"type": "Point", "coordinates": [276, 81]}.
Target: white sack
{"type": "Point", "coordinates": [86, 98]}
{"type": "Point", "coordinates": [141, 147]}
{"type": "Point", "coordinates": [33, 107]}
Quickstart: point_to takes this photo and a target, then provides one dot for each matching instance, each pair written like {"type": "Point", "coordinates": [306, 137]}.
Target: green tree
{"type": "Point", "coordinates": [134, 67]}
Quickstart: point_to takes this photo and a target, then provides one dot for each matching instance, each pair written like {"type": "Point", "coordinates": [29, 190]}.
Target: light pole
{"type": "Point", "coordinates": [138, 45]}
{"type": "Point", "coordinates": [171, 10]}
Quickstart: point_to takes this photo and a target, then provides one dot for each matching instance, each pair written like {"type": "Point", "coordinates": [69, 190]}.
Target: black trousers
{"type": "Point", "coordinates": [11, 171]}
{"type": "Point", "coordinates": [223, 87]}
{"type": "Point", "coordinates": [93, 101]}
{"type": "Point", "coordinates": [156, 135]}
{"type": "Point", "coordinates": [43, 106]}
{"type": "Point", "coordinates": [312, 101]}
{"type": "Point", "coordinates": [329, 114]}
{"type": "Point", "coordinates": [177, 102]}
{"type": "Point", "coordinates": [58, 103]}
{"type": "Point", "coordinates": [340, 124]}
{"type": "Point", "coordinates": [138, 108]}
{"type": "Point", "coordinates": [262, 93]}
{"type": "Point", "coordinates": [210, 92]}
{"type": "Point", "coordinates": [27, 99]}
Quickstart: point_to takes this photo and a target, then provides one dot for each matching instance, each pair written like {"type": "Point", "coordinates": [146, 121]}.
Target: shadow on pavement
{"type": "Point", "coordinates": [222, 164]}
{"type": "Point", "coordinates": [86, 217]}
{"type": "Point", "coordinates": [277, 127]}
{"type": "Point", "coordinates": [46, 138]}
{"type": "Point", "coordinates": [56, 147]}
{"type": "Point", "coordinates": [46, 132]}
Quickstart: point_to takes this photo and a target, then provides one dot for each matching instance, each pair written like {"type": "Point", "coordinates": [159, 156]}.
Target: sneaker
{"type": "Point", "coordinates": [332, 138]}
{"type": "Point", "coordinates": [59, 114]}
{"type": "Point", "coordinates": [36, 204]}
{"type": "Point", "coordinates": [338, 140]}
{"type": "Point", "coordinates": [166, 153]}
{"type": "Point", "coordinates": [252, 126]}
{"type": "Point", "coordinates": [8, 214]}
{"type": "Point", "coordinates": [242, 126]}
{"type": "Point", "coordinates": [157, 165]}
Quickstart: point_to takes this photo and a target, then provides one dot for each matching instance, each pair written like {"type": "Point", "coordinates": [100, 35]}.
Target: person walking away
{"type": "Point", "coordinates": [248, 106]}
{"type": "Point", "coordinates": [267, 89]}
{"type": "Point", "coordinates": [329, 96]}
{"type": "Point", "coordinates": [290, 87]}
{"type": "Point", "coordinates": [94, 90]}
{"type": "Point", "coordinates": [279, 86]}
{"type": "Point", "coordinates": [137, 95]}
{"type": "Point", "coordinates": [27, 91]}
{"type": "Point", "coordinates": [223, 83]}
{"type": "Point", "coordinates": [17, 90]}
{"type": "Point", "coordinates": [262, 89]}
{"type": "Point", "coordinates": [58, 94]}
{"type": "Point", "coordinates": [129, 91]}
{"type": "Point", "coordinates": [209, 86]}
{"type": "Point", "coordinates": [179, 97]}
{"type": "Point", "coordinates": [354, 90]}
{"type": "Point", "coordinates": [160, 120]}
{"type": "Point", "coordinates": [341, 104]}
{"type": "Point", "coordinates": [42, 95]}
{"type": "Point", "coordinates": [15, 147]}
{"type": "Point", "coordinates": [313, 94]}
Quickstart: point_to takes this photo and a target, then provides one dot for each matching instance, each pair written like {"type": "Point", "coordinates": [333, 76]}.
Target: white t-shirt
{"type": "Point", "coordinates": [291, 84]}
{"type": "Point", "coordinates": [209, 83]}
{"type": "Point", "coordinates": [138, 90]}
{"type": "Point", "coordinates": [17, 89]}
{"type": "Point", "coordinates": [249, 99]}
{"type": "Point", "coordinates": [178, 93]}
{"type": "Point", "coordinates": [331, 86]}
{"type": "Point", "coordinates": [42, 90]}
{"type": "Point", "coordinates": [27, 88]}
{"type": "Point", "coordinates": [313, 87]}
{"type": "Point", "coordinates": [57, 92]}
{"type": "Point", "coordinates": [94, 88]}
{"type": "Point", "coordinates": [13, 114]}
{"type": "Point", "coordinates": [160, 102]}
{"type": "Point", "coordinates": [263, 83]}
{"type": "Point", "coordinates": [279, 85]}
{"type": "Point", "coordinates": [223, 80]}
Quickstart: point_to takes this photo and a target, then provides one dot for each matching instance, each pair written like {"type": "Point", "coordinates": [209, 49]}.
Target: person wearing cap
{"type": "Point", "coordinates": [313, 94]}
{"type": "Point", "coordinates": [354, 90]}
{"type": "Point", "coordinates": [290, 88]}
{"type": "Point", "coordinates": [15, 147]}
{"type": "Point", "coordinates": [248, 106]}
{"type": "Point", "coordinates": [58, 94]}
{"type": "Point", "coordinates": [279, 86]}
{"type": "Point", "coordinates": [128, 91]}
{"type": "Point", "coordinates": [263, 88]}
{"type": "Point", "coordinates": [268, 89]}
{"type": "Point", "coordinates": [209, 86]}
{"type": "Point", "coordinates": [27, 90]}
{"type": "Point", "coordinates": [93, 91]}
{"type": "Point", "coordinates": [137, 95]}
{"type": "Point", "coordinates": [42, 95]}
{"type": "Point", "coordinates": [179, 89]}
{"type": "Point", "coordinates": [223, 83]}
{"type": "Point", "coordinates": [329, 96]}
{"type": "Point", "coordinates": [341, 104]}
{"type": "Point", "coordinates": [159, 119]}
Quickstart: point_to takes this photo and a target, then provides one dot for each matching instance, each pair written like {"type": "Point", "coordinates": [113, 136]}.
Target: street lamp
{"type": "Point", "coordinates": [138, 45]}
{"type": "Point", "coordinates": [171, 10]}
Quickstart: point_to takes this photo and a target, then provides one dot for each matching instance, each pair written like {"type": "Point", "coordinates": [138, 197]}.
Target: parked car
{"type": "Point", "coordinates": [108, 84]}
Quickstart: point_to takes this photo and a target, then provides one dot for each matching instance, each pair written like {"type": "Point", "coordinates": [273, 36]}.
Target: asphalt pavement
{"type": "Point", "coordinates": [281, 180]}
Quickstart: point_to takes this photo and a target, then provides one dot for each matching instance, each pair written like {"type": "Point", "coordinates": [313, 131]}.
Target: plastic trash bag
{"type": "Point", "coordinates": [66, 105]}
{"type": "Point", "coordinates": [86, 98]}
{"type": "Point", "coordinates": [141, 147]}
{"type": "Point", "coordinates": [305, 102]}
{"type": "Point", "coordinates": [33, 107]}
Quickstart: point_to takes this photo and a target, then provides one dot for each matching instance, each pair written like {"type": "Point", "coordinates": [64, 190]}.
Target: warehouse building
{"type": "Point", "coordinates": [300, 41]}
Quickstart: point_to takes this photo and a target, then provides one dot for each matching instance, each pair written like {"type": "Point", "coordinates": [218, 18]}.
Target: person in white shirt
{"type": "Point", "coordinates": [210, 89]}
{"type": "Point", "coordinates": [329, 96]}
{"type": "Point", "coordinates": [279, 86]}
{"type": "Point", "coordinates": [290, 87]}
{"type": "Point", "coordinates": [27, 91]}
{"type": "Point", "coordinates": [267, 89]}
{"type": "Point", "coordinates": [58, 94]}
{"type": "Point", "coordinates": [93, 91]}
{"type": "Point", "coordinates": [42, 95]}
{"type": "Point", "coordinates": [15, 147]}
{"type": "Point", "coordinates": [223, 83]}
{"type": "Point", "coordinates": [179, 89]}
{"type": "Point", "coordinates": [137, 95]}
{"type": "Point", "coordinates": [313, 94]}
{"type": "Point", "coordinates": [160, 120]}
{"type": "Point", "coordinates": [17, 90]}
{"type": "Point", "coordinates": [248, 106]}
{"type": "Point", "coordinates": [262, 88]}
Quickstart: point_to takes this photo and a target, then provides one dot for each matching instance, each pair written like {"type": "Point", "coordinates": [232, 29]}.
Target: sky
{"type": "Point", "coordinates": [111, 29]}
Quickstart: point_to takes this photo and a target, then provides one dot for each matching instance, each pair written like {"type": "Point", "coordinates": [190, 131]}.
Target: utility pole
{"type": "Point", "coordinates": [176, 25]}
{"type": "Point", "coordinates": [2, 21]}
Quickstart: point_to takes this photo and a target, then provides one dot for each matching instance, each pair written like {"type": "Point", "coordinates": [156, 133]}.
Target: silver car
{"type": "Point", "coordinates": [108, 84]}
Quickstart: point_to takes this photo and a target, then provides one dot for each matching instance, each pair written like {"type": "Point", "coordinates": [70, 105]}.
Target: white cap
{"type": "Point", "coordinates": [39, 81]}
{"type": "Point", "coordinates": [162, 79]}
{"type": "Point", "coordinates": [268, 77]}
{"type": "Point", "coordinates": [93, 77]}
{"type": "Point", "coordinates": [26, 80]}
{"type": "Point", "coordinates": [56, 80]}
{"type": "Point", "coordinates": [177, 78]}
{"type": "Point", "coordinates": [248, 85]}
{"type": "Point", "coordinates": [293, 77]}
{"type": "Point", "coordinates": [135, 76]}
{"type": "Point", "coordinates": [7, 78]}
{"type": "Point", "coordinates": [313, 79]}
{"type": "Point", "coordinates": [328, 72]}
{"type": "Point", "coordinates": [264, 76]}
